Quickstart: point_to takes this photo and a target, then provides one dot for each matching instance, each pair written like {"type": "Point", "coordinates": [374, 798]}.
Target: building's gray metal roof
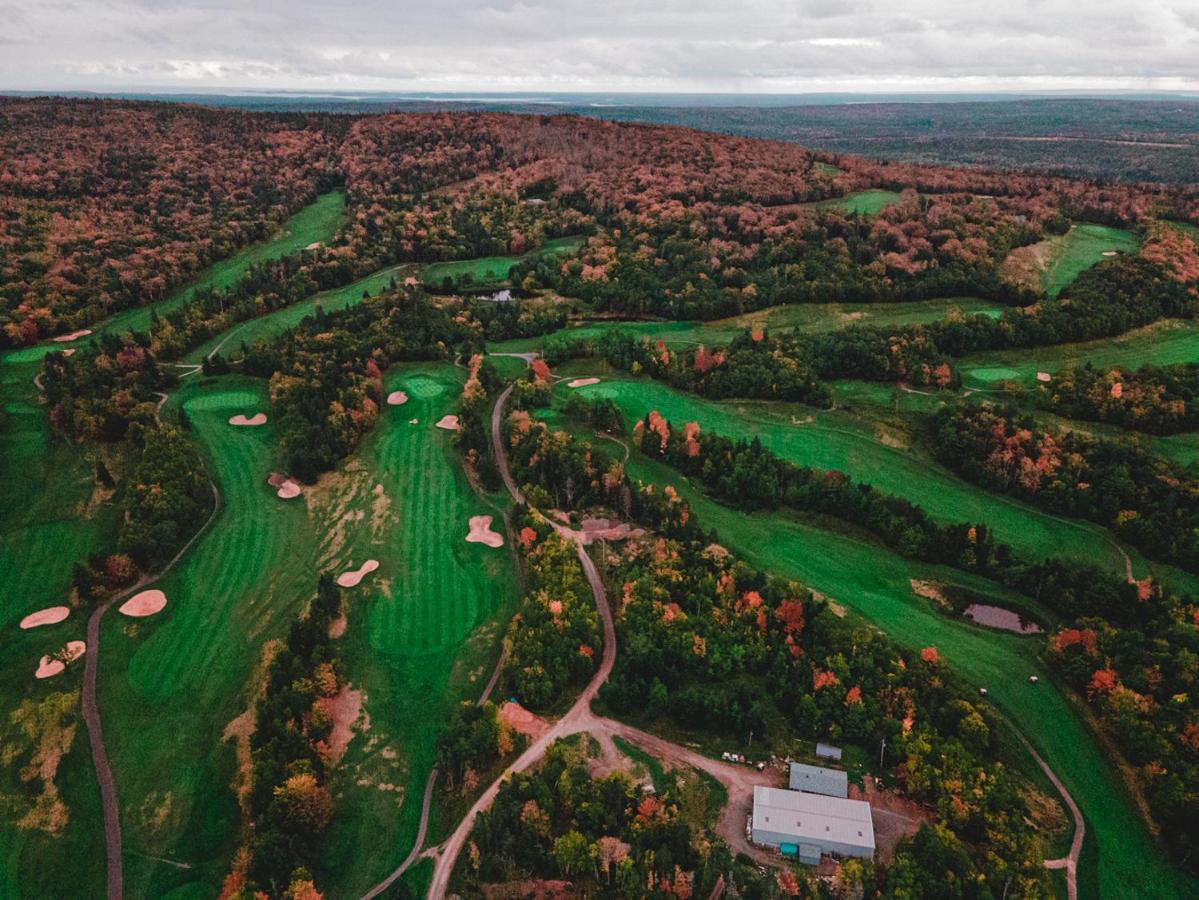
{"type": "Point", "coordinates": [813, 818]}
{"type": "Point", "coordinates": [828, 751]}
{"type": "Point", "coordinates": [819, 780]}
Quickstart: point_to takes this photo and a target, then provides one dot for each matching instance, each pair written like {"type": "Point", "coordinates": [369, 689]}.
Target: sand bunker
{"type": "Point", "coordinates": [1044, 377]}
{"type": "Point", "coordinates": [147, 603]}
{"type": "Point", "coordinates": [449, 423]}
{"type": "Point", "coordinates": [256, 419]}
{"type": "Point", "coordinates": [51, 615]}
{"type": "Point", "coordinates": [70, 351]}
{"type": "Point", "coordinates": [352, 578]}
{"type": "Point", "coordinates": [1109, 253]}
{"type": "Point", "coordinates": [582, 382]}
{"type": "Point", "coordinates": [413, 421]}
{"type": "Point", "coordinates": [285, 488]}
{"type": "Point", "coordinates": [50, 666]}
{"type": "Point", "coordinates": [315, 245]}
{"type": "Point", "coordinates": [481, 533]}
{"type": "Point", "coordinates": [397, 398]}
{"type": "Point", "coordinates": [73, 336]}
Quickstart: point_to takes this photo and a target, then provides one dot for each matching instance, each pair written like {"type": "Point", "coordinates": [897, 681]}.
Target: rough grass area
{"type": "Point", "coordinates": [317, 222]}
{"type": "Point", "coordinates": [874, 454]}
{"type": "Point", "coordinates": [491, 271]}
{"type": "Point", "coordinates": [273, 324]}
{"type": "Point", "coordinates": [806, 317]}
{"type": "Point", "coordinates": [1052, 264]}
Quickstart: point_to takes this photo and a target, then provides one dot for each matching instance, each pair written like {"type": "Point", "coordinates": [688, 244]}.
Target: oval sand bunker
{"type": "Point", "coordinates": [481, 533]}
{"type": "Point", "coordinates": [397, 398]}
{"type": "Point", "coordinates": [352, 578]}
{"type": "Point", "coordinates": [73, 336]}
{"type": "Point", "coordinates": [449, 423]}
{"type": "Point", "coordinates": [52, 615]}
{"type": "Point", "coordinates": [288, 490]}
{"type": "Point", "coordinates": [147, 603]}
{"type": "Point", "coordinates": [582, 382]}
{"type": "Point", "coordinates": [256, 419]}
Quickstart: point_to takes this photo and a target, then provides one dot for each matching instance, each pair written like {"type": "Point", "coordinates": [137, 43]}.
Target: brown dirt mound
{"type": "Point", "coordinates": [51, 615]}
{"type": "Point", "coordinates": [481, 533]}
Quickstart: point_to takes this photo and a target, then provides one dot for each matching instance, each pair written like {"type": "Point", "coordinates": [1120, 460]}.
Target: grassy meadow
{"type": "Point", "coordinates": [866, 203]}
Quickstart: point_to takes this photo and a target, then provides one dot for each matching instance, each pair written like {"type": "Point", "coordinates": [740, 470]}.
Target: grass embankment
{"type": "Point", "coordinates": [1053, 263]}
{"type": "Point", "coordinates": [806, 317]}
{"type": "Point", "coordinates": [874, 583]}
{"type": "Point", "coordinates": [172, 684]}
{"type": "Point", "coordinates": [315, 223]}
{"type": "Point", "coordinates": [874, 454]}
{"type": "Point", "coordinates": [491, 271]}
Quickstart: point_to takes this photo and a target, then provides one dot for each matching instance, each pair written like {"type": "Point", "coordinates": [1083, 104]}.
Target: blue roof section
{"type": "Point", "coordinates": [819, 780]}
{"type": "Point", "coordinates": [828, 751]}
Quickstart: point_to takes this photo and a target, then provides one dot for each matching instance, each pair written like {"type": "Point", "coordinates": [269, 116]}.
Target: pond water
{"type": "Point", "coordinates": [998, 617]}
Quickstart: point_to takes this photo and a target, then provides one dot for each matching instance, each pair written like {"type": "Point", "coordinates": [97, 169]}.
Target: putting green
{"type": "Point", "coordinates": [994, 374]}
{"type": "Point", "coordinates": [317, 222]}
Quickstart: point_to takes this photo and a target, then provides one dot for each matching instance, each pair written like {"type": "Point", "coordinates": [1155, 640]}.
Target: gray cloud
{"type": "Point", "coordinates": [683, 45]}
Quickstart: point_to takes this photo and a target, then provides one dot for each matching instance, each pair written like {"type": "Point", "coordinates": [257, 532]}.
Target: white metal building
{"type": "Point", "coordinates": [812, 823]}
{"type": "Point", "coordinates": [819, 780]}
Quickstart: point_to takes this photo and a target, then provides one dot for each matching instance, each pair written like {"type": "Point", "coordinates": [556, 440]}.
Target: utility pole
{"type": "Point", "coordinates": [882, 747]}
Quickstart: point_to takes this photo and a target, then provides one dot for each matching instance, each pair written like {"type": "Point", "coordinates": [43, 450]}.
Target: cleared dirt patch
{"type": "Point", "coordinates": [481, 533]}
{"type": "Point", "coordinates": [354, 576]}
{"type": "Point", "coordinates": [343, 710]}
{"type": "Point", "coordinates": [521, 720]}
{"type": "Point", "coordinates": [51, 615]}
{"type": "Point", "coordinates": [147, 603]}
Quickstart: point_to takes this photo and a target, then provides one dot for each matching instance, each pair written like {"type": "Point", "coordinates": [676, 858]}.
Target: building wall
{"type": "Point", "coordinates": [774, 838]}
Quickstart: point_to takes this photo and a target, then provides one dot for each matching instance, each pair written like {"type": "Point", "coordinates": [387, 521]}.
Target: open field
{"type": "Point", "coordinates": [489, 271]}
{"type": "Point", "coordinates": [875, 455]}
{"type": "Point", "coordinates": [271, 325]}
{"type": "Point", "coordinates": [806, 317]}
{"type": "Point", "coordinates": [315, 223]}
{"type": "Point", "coordinates": [1053, 263]}
{"type": "Point", "coordinates": [869, 580]}
{"type": "Point", "coordinates": [1161, 344]}
{"type": "Point", "coordinates": [866, 203]}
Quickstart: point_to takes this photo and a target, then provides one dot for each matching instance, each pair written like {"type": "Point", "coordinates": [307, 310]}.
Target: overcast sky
{"type": "Point", "coordinates": [602, 45]}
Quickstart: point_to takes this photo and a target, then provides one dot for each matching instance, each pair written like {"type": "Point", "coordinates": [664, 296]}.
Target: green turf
{"type": "Point", "coordinates": [866, 203]}
{"type": "Point", "coordinates": [171, 684]}
{"type": "Point", "coordinates": [1055, 262]}
{"type": "Point", "coordinates": [1160, 344]}
{"type": "Point", "coordinates": [806, 317]}
{"type": "Point", "coordinates": [873, 454]}
{"type": "Point", "coordinates": [874, 583]}
{"type": "Point", "coordinates": [491, 271]}
{"type": "Point", "coordinates": [315, 223]}
{"type": "Point", "coordinates": [272, 324]}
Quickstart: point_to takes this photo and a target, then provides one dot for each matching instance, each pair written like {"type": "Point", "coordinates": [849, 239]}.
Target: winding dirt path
{"type": "Point", "coordinates": [1069, 862]}
{"type": "Point", "coordinates": [91, 712]}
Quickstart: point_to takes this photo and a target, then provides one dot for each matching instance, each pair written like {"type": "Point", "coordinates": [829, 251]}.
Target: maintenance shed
{"type": "Point", "coordinates": [819, 780]}
{"type": "Point", "coordinates": [812, 822]}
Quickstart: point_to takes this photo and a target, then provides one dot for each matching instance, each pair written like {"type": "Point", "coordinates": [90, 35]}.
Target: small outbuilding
{"type": "Point", "coordinates": [819, 780]}
{"type": "Point", "coordinates": [812, 824]}
{"type": "Point", "coordinates": [828, 751]}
